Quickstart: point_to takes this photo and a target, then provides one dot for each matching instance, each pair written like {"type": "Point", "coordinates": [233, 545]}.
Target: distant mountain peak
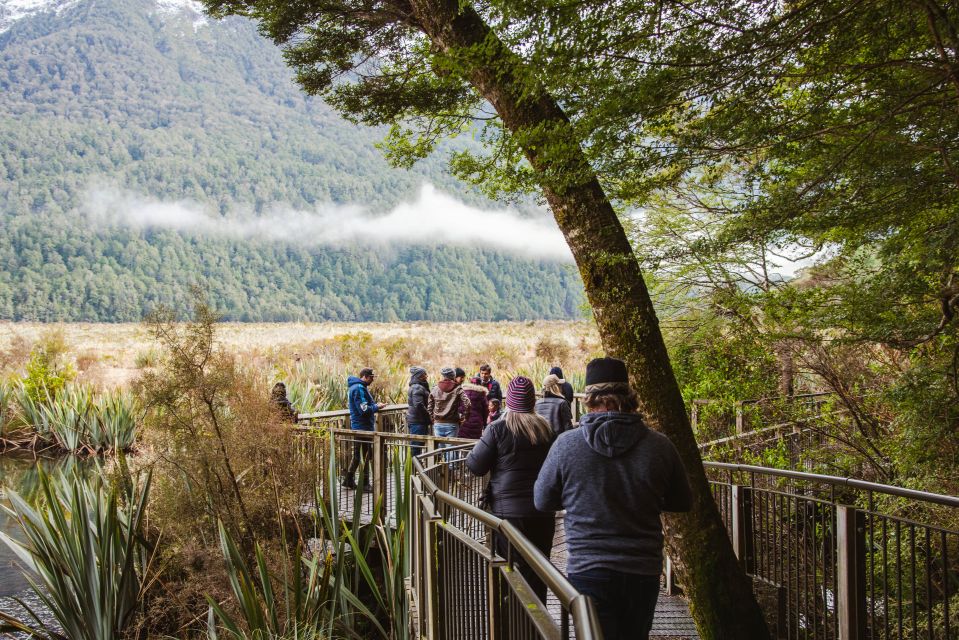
{"type": "Point", "coordinates": [13, 10]}
{"type": "Point", "coordinates": [172, 7]}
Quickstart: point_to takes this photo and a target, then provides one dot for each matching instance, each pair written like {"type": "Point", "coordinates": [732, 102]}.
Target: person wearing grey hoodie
{"type": "Point", "coordinates": [614, 476]}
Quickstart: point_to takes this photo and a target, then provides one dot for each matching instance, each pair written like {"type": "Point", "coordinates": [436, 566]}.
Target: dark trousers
{"type": "Point", "coordinates": [362, 450]}
{"type": "Point", "coordinates": [625, 602]}
{"type": "Point", "coordinates": [539, 530]}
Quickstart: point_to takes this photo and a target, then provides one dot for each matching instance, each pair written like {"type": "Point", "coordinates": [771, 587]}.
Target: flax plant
{"type": "Point", "coordinates": [68, 417]}
{"type": "Point", "coordinates": [7, 394]}
{"type": "Point", "coordinates": [84, 544]}
{"type": "Point", "coordinates": [77, 420]}
{"type": "Point", "coordinates": [30, 412]}
{"type": "Point", "coordinates": [117, 420]}
{"type": "Point", "coordinates": [318, 596]}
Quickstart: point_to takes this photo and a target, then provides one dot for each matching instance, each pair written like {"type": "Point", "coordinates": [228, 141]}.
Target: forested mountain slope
{"type": "Point", "coordinates": [152, 98]}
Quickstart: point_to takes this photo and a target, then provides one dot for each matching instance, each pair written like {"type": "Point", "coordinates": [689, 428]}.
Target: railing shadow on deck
{"type": "Point", "coordinates": [830, 557]}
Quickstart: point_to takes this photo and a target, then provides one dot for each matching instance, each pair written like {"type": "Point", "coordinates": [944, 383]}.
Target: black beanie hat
{"type": "Point", "coordinates": [556, 371]}
{"type": "Point", "coordinates": [459, 373]}
{"type": "Point", "coordinates": [606, 371]}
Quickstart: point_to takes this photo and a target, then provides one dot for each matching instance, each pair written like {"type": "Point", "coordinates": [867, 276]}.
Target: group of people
{"type": "Point", "coordinates": [457, 408]}
{"type": "Point", "coordinates": [611, 474]}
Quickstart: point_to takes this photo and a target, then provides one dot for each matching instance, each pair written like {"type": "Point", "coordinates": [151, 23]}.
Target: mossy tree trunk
{"type": "Point", "coordinates": [722, 601]}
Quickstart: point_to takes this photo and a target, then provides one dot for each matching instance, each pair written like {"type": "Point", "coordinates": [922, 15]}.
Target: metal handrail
{"type": "Point", "coordinates": [393, 435]}
{"type": "Point", "coordinates": [762, 431]}
{"type": "Point", "coordinates": [342, 413]}
{"type": "Point", "coordinates": [913, 494]}
{"type": "Point", "coordinates": [544, 568]}
{"type": "Point", "coordinates": [581, 608]}
{"type": "Point", "coordinates": [797, 396]}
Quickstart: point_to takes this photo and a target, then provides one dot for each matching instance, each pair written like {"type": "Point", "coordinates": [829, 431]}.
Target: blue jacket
{"type": "Point", "coordinates": [493, 389]}
{"type": "Point", "coordinates": [361, 405]}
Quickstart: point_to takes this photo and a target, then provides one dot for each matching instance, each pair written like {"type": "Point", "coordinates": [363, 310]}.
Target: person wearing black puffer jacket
{"type": "Point", "coordinates": [417, 413]}
{"type": "Point", "coordinates": [553, 406]}
{"type": "Point", "coordinates": [512, 450]}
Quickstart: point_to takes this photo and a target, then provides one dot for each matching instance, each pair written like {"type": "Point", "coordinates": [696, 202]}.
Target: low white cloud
{"type": "Point", "coordinates": [434, 218]}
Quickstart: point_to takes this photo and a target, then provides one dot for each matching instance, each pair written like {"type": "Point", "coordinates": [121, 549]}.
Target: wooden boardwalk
{"type": "Point", "coordinates": [672, 620]}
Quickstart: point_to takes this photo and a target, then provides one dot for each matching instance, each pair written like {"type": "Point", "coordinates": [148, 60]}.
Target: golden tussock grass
{"type": "Point", "coordinates": [111, 355]}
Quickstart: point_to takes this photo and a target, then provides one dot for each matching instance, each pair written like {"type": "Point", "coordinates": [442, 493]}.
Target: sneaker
{"type": "Point", "coordinates": [367, 488]}
{"type": "Point", "coordinates": [348, 483]}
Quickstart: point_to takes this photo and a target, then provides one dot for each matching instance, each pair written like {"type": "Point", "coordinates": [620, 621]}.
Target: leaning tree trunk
{"type": "Point", "coordinates": [723, 604]}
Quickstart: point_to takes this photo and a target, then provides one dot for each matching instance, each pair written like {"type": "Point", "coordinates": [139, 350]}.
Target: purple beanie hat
{"type": "Point", "coordinates": [520, 395]}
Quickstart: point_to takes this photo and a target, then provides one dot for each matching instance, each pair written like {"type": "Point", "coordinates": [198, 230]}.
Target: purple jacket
{"type": "Point", "coordinates": [474, 424]}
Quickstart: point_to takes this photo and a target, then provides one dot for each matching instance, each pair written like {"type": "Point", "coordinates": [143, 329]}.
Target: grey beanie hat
{"type": "Point", "coordinates": [416, 373]}
{"type": "Point", "coordinates": [448, 373]}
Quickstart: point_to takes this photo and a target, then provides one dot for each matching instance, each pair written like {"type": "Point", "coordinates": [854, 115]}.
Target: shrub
{"type": "Point", "coordinates": [16, 354]}
{"type": "Point", "coordinates": [146, 358]}
{"type": "Point", "coordinates": [212, 426]}
{"type": "Point", "coordinates": [87, 361]}
{"type": "Point", "coordinates": [552, 350]}
{"type": "Point", "coordinates": [46, 372]}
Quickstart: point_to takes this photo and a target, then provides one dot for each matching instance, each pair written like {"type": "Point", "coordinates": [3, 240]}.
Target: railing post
{"type": "Point", "coordinates": [493, 568]}
{"type": "Point", "coordinates": [851, 572]}
{"type": "Point", "coordinates": [379, 470]}
{"type": "Point", "coordinates": [670, 583]}
{"type": "Point", "coordinates": [416, 558]}
{"type": "Point", "coordinates": [742, 529]}
{"type": "Point", "coordinates": [431, 565]}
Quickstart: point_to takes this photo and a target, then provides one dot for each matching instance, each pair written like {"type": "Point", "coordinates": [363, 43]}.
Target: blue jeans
{"type": "Point", "coordinates": [445, 430]}
{"type": "Point", "coordinates": [416, 446]}
{"type": "Point", "coordinates": [625, 602]}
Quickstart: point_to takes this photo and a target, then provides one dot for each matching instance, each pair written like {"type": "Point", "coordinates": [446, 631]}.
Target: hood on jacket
{"type": "Point", "coordinates": [470, 386]}
{"type": "Point", "coordinates": [447, 385]}
{"type": "Point", "coordinates": [350, 381]}
{"type": "Point", "coordinates": [612, 433]}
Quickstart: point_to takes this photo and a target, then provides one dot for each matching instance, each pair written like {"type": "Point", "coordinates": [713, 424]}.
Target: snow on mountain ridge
{"type": "Point", "coordinates": [13, 10]}
{"type": "Point", "coordinates": [174, 6]}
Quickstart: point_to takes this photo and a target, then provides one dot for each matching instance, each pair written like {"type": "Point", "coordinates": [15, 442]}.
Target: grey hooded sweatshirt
{"type": "Point", "coordinates": [614, 477]}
